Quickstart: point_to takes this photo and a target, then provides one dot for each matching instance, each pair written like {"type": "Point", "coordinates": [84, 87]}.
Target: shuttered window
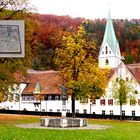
{"type": "Point", "coordinates": [110, 102]}
{"type": "Point", "coordinates": [102, 102]}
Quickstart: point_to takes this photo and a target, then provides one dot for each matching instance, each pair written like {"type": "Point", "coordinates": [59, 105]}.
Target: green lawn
{"type": "Point", "coordinates": [121, 130]}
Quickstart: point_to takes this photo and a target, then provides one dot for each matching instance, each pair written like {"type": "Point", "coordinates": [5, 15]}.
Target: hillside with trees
{"type": "Point", "coordinates": [51, 28]}
{"type": "Point", "coordinates": [44, 33]}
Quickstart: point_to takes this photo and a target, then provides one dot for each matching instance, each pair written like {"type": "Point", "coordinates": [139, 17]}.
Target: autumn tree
{"type": "Point", "coordinates": [78, 66]}
{"type": "Point", "coordinates": [11, 8]}
{"type": "Point", "coordinates": [10, 66]}
{"type": "Point", "coordinates": [123, 91]}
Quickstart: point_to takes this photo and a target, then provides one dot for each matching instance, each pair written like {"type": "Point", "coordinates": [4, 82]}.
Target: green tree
{"type": "Point", "coordinates": [129, 58]}
{"type": "Point", "coordinates": [123, 91]}
{"type": "Point", "coordinates": [78, 66]}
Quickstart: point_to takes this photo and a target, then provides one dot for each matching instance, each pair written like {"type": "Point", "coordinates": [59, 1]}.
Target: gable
{"type": "Point", "coordinates": [106, 50]}
{"type": "Point", "coordinates": [135, 70]}
{"type": "Point", "coordinates": [127, 71]}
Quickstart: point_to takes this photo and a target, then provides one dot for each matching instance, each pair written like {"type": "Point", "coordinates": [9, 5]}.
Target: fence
{"type": "Point", "coordinates": [94, 116]}
{"type": "Point", "coordinates": [30, 113]}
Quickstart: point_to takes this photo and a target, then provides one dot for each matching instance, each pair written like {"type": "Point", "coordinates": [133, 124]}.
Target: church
{"type": "Point", "coordinates": [110, 57]}
{"type": "Point", "coordinates": [48, 84]}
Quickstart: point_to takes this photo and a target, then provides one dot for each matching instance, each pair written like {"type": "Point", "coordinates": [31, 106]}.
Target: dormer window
{"type": "Point", "coordinates": [106, 50]}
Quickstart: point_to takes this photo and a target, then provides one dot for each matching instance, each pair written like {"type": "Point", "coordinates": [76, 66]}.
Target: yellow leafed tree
{"type": "Point", "coordinates": [78, 66]}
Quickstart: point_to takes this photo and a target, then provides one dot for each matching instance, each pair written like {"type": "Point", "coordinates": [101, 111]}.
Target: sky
{"type": "Point", "coordinates": [90, 9]}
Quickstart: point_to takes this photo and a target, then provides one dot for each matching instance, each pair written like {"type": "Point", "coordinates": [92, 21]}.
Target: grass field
{"type": "Point", "coordinates": [121, 130]}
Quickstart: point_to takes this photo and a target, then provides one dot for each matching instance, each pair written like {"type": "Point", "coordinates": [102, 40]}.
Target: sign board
{"type": "Point", "coordinates": [12, 40]}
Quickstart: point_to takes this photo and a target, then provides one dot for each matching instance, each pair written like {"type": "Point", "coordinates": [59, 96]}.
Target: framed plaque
{"type": "Point", "coordinates": [12, 38]}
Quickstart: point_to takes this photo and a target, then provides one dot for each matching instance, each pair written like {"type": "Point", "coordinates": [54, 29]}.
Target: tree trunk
{"type": "Point", "coordinates": [73, 105]}
{"type": "Point", "coordinates": [120, 111]}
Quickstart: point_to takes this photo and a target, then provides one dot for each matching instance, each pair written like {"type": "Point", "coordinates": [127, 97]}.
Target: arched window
{"type": "Point", "coordinates": [106, 62]}
{"type": "Point", "coordinates": [106, 50]}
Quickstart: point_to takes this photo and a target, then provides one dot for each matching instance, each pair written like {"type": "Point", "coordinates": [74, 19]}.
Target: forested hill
{"type": "Point", "coordinates": [50, 29]}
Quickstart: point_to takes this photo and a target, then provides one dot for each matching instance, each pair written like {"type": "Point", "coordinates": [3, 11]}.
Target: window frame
{"type": "Point", "coordinates": [111, 112]}
{"type": "Point", "coordinates": [106, 50]}
{"type": "Point", "coordinates": [84, 111]}
{"type": "Point", "coordinates": [102, 102]}
{"type": "Point", "coordinates": [106, 62]}
{"type": "Point", "coordinates": [133, 113]}
{"type": "Point", "coordinates": [110, 102]}
{"type": "Point", "coordinates": [103, 112]}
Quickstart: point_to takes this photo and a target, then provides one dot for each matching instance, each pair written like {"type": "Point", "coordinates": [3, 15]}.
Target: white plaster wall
{"type": "Point", "coordinates": [97, 108]}
{"type": "Point", "coordinates": [9, 105]}
{"type": "Point", "coordinates": [54, 106]}
{"type": "Point", "coordinates": [14, 105]}
{"type": "Point", "coordinates": [57, 105]}
{"type": "Point", "coordinates": [115, 108]}
{"type": "Point", "coordinates": [114, 59]}
{"type": "Point", "coordinates": [122, 72]}
{"type": "Point", "coordinates": [113, 62]}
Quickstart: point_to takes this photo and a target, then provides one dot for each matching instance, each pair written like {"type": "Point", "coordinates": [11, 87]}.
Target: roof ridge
{"type": "Point", "coordinates": [137, 64]}
{"type": "Point", "coordinates": [41, 72]}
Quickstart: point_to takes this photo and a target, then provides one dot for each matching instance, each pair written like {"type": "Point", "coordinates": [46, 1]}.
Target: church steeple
{"type": "Point", "coordinates": [110, 36]}
{"type": "Point", "coordinates": [109, 55]}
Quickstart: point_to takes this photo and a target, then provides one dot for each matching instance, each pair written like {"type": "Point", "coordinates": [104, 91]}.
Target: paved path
{"type": "Point", "coordinates": [88, 127]}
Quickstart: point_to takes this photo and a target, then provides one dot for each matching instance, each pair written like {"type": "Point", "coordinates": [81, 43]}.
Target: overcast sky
{"type": "Point", "coordinates": [90, 9]}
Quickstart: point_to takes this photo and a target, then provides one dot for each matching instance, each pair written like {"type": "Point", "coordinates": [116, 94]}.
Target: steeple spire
{"type": "Point", "coordinates": [109, 55]}
{"type": "Point", "coordinates": [110, 36]}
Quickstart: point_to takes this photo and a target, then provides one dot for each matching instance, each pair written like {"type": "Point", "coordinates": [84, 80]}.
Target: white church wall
{"type": "Point", "coordinates": [106, 54]}
{"type": "Point", "coordinates": [14, 104]}
{"type": "Point", "coordinates": [124, 73]}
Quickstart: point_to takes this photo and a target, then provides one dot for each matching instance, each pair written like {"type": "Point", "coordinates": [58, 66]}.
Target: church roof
{"type": "Point", "coordinates": [49, 82]}
{"type": "Point", "coordinates": [135, 70]}
{"type": "Point", "coordinates": [110, 36]}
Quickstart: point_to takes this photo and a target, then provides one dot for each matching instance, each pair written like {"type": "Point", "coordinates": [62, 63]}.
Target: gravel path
{"type": "Point", "coordinates": [88, 127]}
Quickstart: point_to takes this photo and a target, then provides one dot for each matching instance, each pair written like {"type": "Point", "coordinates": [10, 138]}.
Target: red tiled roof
{"type": "Point", "coordinates": [19, 77]}
{"type": "Point", "coordinates": [50, 82]}
{"type": "Point", "coordinates": [135, 70]}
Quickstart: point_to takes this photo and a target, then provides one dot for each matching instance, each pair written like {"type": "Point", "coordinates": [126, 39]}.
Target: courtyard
{"type": "Point", "coordinates": [119, 130]}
